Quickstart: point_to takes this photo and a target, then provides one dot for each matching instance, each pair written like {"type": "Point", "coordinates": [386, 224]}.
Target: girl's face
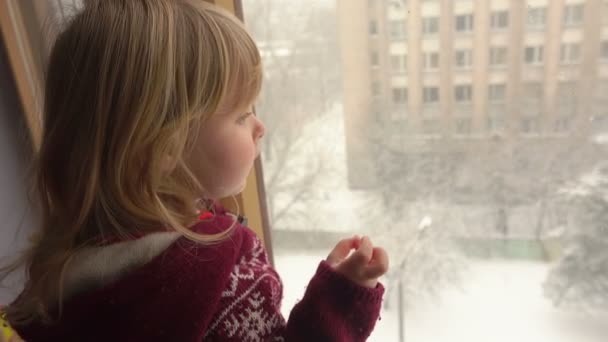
{"type": "Point", "coordinates": [225, 150]}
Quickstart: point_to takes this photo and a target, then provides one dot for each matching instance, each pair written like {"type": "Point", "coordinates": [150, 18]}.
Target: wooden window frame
{"type": "Point", "coordinates": [17, 40]}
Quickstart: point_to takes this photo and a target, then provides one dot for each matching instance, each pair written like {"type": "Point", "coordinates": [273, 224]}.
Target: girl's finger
{"type": "Point", "coordinates": [378, 265]}
{"type": "Point", "coordinates": [362, 255]}
{"type": "Point", "coordinates": [341, 250]}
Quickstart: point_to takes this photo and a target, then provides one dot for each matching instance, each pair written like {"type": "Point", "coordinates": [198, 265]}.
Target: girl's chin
{"type": "Point", "coordinates": [234, 190]}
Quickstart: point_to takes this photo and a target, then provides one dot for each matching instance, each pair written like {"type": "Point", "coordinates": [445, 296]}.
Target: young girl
{"type": "Point", "coordinates": [148, 120]}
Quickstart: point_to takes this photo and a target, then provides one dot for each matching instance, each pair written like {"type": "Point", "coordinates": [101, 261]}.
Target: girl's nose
{"type": "Point", "coordinates": [259, 128]}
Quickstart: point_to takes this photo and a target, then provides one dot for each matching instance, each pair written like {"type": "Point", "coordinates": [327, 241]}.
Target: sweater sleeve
{"type": "Point", "coordinates": [333, 307]}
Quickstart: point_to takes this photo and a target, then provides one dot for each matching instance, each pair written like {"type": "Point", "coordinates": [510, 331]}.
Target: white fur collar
{"type": "Point", "coordinates": [98, 266]}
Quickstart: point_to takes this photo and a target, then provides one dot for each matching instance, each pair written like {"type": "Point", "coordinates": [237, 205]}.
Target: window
{"type": "Point", "coordinates": [530, 125]}
{"type": "Point", "coordinates": [533, 54]}
{"type": "Point", "coordinates": [430, 25]}
{"type": "Point", "coordinates": [375, 61]}
{"type": "Point", "coordinates": [375, 88]}
{"type": "Point", "coordinates": [497, 92]}
{"type": "Point", "coordinates": [399, 62]}
{"type": "Point", "coordinates": [498, 56]}
{"type": "Point", "coordinates": [463, 58]}
{"type": "Point", "coordinates": [495, 124]}
{"type": "Point", "coordinates": [396, 4]}
{"type": "Point", "coordinates": [464, 23]}
{"type": "Point", "coordinates": [495, 154]}
{"type": "Point", "coordinates": [399, 95]}
{"type": "Point", "coordinates": [499, 20]}
{"type": "Point", "coordinates": [532, 97]}
{"type": "Point", "coordinates": [373, 27]}
{"type": "Point", "coordinates": [430, 95]}
{"type": "Point", "coordinates": [397, 29]}
{"type": "Point", "coordinates": [463, 126]}
{"type": "Point", "coordinates": [570, 52]}
{"type": "Point", "coordinates": [604, 50]}
{"type": "Point", "coordinates": [562, 125]}
{"type": "Point", "coordinates": [430, 60]}
{"type": "Point", "coordinates": [566, 98]}
{"type": "Point", "coordinates": [463, 93]}
{"type": "Point", "coordinates": [537, 16]}
{"type": "Point", "coordinates": [573, 14]}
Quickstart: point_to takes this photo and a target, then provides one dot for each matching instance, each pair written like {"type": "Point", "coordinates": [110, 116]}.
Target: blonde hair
{"type": "Point", "coordinates": [128, 81]}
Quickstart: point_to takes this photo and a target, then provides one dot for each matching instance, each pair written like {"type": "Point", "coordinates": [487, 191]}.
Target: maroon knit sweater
{"type": "Point", "coordinates": [163, 287]}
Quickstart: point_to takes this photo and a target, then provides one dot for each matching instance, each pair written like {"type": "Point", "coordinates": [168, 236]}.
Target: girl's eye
{"type": "Point", "coordinates": [243, 117]}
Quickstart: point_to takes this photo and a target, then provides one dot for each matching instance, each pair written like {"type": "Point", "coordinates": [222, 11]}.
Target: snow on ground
{"type": "Point", "coordinates": [501, 302]}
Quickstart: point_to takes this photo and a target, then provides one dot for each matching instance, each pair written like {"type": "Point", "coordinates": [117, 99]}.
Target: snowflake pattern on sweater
{"type": "Point", "coordinates": [250, 305]}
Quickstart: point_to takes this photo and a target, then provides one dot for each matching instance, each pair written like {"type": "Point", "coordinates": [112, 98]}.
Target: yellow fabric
{"type": "Point", "coordinates": [5, 329]}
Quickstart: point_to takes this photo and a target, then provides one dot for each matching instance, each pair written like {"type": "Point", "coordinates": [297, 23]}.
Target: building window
{"type": "Point", "coordinates": [375, 60]}
{"type": "Point", "coordinates": [463, 58]}
{"type": "Point", "coordinates": [463, 126]}
{"type": "Point", "coordinates": [499, 20]}
{"type": "Point", "coordinates": [463, 93]}
{"type": "Point", "coordinates": [531, 98]}
{"type": "Point", "coordinates": [396, 4]}
{"type": "Point", "coordinates": [537, 16]}
{"type": "Point", "coordinates": [604, 50]}
{"type": "Point", "coordinates": [573, 14]}
{"type": "Point", "coordinates": [430, 95]}
{"type": "Point", "coordinates": [533, 54]}
{"type": "Point", "coordinates": [570, 52]}
{"type": "Point", "coordinates": [375, 88]}
{"type": "Point", "coordinates": [399, 63]}
{"type": "Point", "coordinates": [464, 23]}
{"type": "Point", "coordinates": [530, 125]}
{"type": "Point", "coordinates": [497, 92]}
{"type": "Point", "coordinates": [566, 98]}
{"type": "Point", "coordinates": [498, 56]}
{"type": "Point", "coordinates": [397, 29]}
{"type": "Point", "coordinates": [399, 95]}
{"type": "Point", "coordinates": [430, 60]}
{"type": "Point", "coordinates": [430, 25]}
{"type": "Point", "coordinates": [495, 124]}
{"type": "Point", "coordinates": [562, 125]}
{"type": "Point", "coordinates": [373, 27]}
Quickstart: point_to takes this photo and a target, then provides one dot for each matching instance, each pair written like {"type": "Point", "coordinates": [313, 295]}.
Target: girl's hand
{"type": "Point", "coordinates": [364, 266]}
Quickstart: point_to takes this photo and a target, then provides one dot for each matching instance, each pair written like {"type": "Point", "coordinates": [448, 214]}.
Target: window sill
{"type": "Point", "coordinates": [535, 28]}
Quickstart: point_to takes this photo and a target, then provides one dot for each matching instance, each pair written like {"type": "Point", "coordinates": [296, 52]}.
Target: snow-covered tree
{"type": "Point", "coordinates": [298, 43]}
{"type": "Point", "coordinates": [580, 277]}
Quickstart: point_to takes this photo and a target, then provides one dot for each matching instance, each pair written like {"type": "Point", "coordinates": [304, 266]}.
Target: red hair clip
{"type": "Point", "coordinates": [205, 215]}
